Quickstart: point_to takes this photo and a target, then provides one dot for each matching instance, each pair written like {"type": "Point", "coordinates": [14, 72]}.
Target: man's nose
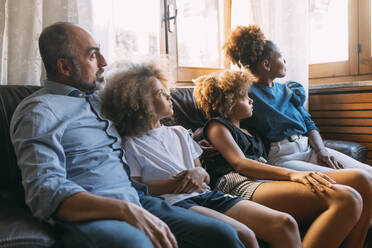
{"type": "Point", "coordinates": [101, 61]}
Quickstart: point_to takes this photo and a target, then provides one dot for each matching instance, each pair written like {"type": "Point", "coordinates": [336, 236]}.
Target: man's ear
{"type": "Point", "coordinates": [64, 67]}
{"type": "Point", "coordinates": [266, 64]}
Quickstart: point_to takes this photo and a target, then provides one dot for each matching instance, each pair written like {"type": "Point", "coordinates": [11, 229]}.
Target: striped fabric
{"type": "Point", "coordinates": [235, 184]}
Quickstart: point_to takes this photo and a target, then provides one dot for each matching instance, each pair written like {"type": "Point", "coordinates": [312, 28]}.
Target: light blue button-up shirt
{"type": "Point", "coordinates": [64, 146]}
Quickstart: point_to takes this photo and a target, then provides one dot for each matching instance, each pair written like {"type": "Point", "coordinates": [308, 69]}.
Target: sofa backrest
{"type": "Point", "coordinates": [10, 178]}
{"type": "Point", "coordinates": [186, 114]}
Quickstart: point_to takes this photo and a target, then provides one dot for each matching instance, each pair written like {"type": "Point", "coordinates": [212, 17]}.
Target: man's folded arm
{"type": "Point", "coordinates": [36, 135]}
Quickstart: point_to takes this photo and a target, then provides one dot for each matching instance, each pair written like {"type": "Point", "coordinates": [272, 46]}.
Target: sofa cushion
{"type": "Point", "coordinates": [353, 149]}
{"type": "Point", "coordinates": [10, 97]}
{"type": "Point", "coordinates": [19, 229]}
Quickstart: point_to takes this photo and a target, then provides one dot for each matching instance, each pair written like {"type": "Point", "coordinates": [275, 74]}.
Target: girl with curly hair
{"type": "Point", "coordinates": [335, 213]}
{"type": "Point", "coordinates": [279, 114]}
{"type": "Point", "coordinates": [165, 158]}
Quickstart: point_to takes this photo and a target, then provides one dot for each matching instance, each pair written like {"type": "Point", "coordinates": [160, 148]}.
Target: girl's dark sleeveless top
{"type": "Point", "coordinates": [252, 146]}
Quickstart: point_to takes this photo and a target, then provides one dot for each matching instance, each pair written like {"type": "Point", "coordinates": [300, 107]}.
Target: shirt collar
{"type": "Point", "coordinates": [62, 89]}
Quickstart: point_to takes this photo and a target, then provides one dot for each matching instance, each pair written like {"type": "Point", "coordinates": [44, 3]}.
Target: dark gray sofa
{"type": "Point", "coordinates": [17, 227]}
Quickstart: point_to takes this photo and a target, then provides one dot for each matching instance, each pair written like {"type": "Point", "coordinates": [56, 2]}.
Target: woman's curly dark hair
{"type": "Point", "coordinates": [247, 47]}
{"type": "Point", "coordinates": [216, 94]}
{"type": "Point", "coordinates": [128, 98]}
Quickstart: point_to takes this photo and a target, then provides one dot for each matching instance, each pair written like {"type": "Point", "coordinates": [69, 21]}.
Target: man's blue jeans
{"type": "Point", "coordinates": [191, 230]}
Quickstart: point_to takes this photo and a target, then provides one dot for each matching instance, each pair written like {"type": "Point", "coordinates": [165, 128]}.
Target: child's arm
{"type": "Point", "coordinates": [161, 187]}
{"type": "Point", "coordinates": [222, 139]}
{"type": "Point", "coordinates": [196, 179]}
{"type": "Point", "coordinates": [187, 181]}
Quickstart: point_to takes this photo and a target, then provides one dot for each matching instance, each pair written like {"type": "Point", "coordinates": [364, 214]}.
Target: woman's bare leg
{"type": "Point", "coordinates": [274, 227]}
{"type": "Point", "coordinates": [362, 182]}
{"type": "Point", "coordinates": [332, 214]}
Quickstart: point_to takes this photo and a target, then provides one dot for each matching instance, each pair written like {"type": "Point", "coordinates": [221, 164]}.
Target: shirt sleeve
{"type": "Point", "coordinates": [194, 147]}
{"type": "Point", "coordinates": [36, 135]}
{"type": "Point", "coordinates": [298, 100]}
{"type": "Point", "coordinates": [131, 155]}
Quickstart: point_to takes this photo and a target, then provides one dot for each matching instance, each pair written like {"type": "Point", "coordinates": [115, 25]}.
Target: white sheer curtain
{"type": "Point", "coordinates": [122, 32]}
{"type": "Point", "coordinates": [125, 29]}
{"type": "Point", "coordinates": [21, 22]}
{"type": "Point", "coordinates": [286, 23]}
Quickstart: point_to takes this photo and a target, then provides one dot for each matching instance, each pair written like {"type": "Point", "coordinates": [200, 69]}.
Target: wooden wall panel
{"type": "Point", "coordinates": [344, 115]}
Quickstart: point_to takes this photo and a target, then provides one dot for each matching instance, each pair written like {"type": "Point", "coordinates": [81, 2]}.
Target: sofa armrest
{"type": "Point", "coordinates": [352, 149]}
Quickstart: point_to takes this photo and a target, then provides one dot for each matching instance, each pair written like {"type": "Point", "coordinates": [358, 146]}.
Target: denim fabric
{"type": "Point", "coordinates": [191, 230]}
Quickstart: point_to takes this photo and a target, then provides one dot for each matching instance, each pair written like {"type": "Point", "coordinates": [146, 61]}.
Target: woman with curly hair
{"type": "Point", "coordinates": [335, 213]}
{"type": "Point", "coordinates": [165, 158]}
{"type": "Point", "coordinates": [279, 114]}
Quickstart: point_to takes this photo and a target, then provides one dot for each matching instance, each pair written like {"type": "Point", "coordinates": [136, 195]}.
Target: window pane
{"type": "Point", "coordinates": [328, 31]}
{"type": "Point", "coordinates": [200, 33]}
{"type": "Point", "coordinates": [127, 29]}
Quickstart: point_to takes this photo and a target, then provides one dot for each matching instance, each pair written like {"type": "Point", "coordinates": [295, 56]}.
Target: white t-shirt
{"type": "Point", "coordinates": [160, 154]}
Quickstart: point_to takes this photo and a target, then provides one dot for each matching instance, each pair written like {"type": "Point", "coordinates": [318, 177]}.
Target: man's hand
{"type": "Point", "coordinates": [191, 180]}
{"type": "Point", "coordinates": [154, 228]}
{"type": "Point", "coordinates": [325, 159]}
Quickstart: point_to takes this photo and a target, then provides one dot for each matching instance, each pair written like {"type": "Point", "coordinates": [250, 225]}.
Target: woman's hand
{"type": "Point", "coordinates": [324, 158]}
{"type": "Point", "coordinates": [315, 181]}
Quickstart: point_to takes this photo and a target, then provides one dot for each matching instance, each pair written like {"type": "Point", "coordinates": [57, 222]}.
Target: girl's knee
{"type": "Point", "coordinates": [286, 223]}
{"type": "Point", "coordinates": [280, 222]}
{"type": "Point", "coordinates": [349, 200]}
{"type": "Point", "coordinates": [284, 229]}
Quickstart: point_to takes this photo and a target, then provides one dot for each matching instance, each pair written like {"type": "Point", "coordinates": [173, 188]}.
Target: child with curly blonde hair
{"type": "Point", "coordinates": [165, 158]}
{"type": "Point", "coordinates": [310, 197]}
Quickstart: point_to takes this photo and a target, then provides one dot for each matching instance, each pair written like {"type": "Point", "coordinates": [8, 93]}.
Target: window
{"type": "Point", "coordinates": [340, 38]}
{"type": "Point", "coordinates": [201, 28]}
{"type": "Point", "coordinates": [191, 32]}
{"type": "Point", "coordinates": [196, 38]}
{"type": "Point", "coordinates": [365, 39]}
{"type": "Point", "coordinates": [128, 29]}
{"type": "Point", "coordinates": [203, 22]}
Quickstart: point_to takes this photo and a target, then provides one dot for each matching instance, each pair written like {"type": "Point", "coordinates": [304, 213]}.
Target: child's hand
{"type": "Point", "coordinates": [315, 181]}
{"type": "Point", "coordinates": [208, 149]}
{"type": "Point", "coordinates": [191, 181]}
{"type": "Point", "coordinates": [204, 188]}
